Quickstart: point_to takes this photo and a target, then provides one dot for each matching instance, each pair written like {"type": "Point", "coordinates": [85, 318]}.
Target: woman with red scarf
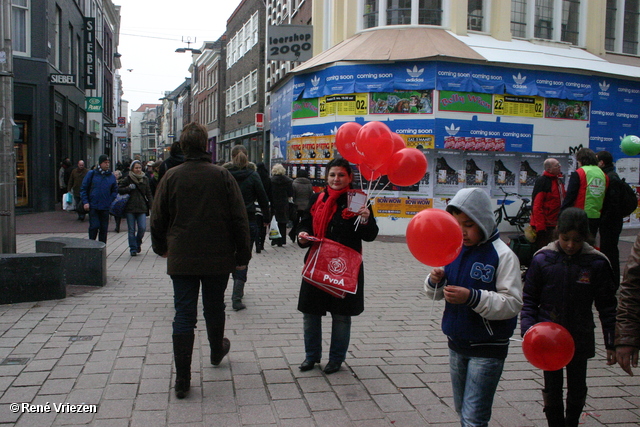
{"type": "Point", "coordinates": [330, 217]}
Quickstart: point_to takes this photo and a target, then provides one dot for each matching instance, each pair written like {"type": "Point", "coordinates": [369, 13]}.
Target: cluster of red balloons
{"type": "Point", "coordinates": [434, 237]}
{"type": "Point", "coordinates": [378, 151]}
{"type": "Point", "coordinates": [548, 346]}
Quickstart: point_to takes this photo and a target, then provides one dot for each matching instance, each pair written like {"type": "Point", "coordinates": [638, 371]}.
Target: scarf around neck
{"type": "Point", "coordinates": [323, 210]}
{"type": "Point", "coordinates": [137, 179]}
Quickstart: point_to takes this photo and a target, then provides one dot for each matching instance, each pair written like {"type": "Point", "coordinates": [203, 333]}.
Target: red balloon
{"type": "Point", "coordinates": [367, 173]}
{"type": "Point", "coordinates": [548, 346]}
{"type": "Point", "coordinates": [407, 167]}
{"type": "Point", "coordinates": [434, 237]}
{"type": "Point", "coordinates": [398, 144]}
{"type": "Point", "coordinates": [346, 142]}
{"type": "Point", "coordinates": [375, 144]}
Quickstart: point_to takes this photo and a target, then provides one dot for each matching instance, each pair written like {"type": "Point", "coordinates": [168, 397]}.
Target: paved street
{"type": "Point", "coordinates": [111, 347]}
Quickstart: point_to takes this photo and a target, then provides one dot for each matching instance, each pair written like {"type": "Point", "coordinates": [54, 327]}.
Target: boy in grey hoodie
{"type": "Point", "coordinates": [482, 288]}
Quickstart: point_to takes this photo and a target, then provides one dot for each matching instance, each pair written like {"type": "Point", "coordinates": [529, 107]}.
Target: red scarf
{"type": "Point", "coordinates": [323, 210]}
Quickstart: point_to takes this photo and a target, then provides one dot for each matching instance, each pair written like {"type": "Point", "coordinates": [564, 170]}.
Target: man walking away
{"type": "Point", "coordinates": [199, 223]}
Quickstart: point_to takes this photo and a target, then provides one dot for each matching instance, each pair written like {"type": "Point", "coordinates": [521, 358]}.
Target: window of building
{"type": "Point", "coordinates": [475, 15]}
{"type": "Point", "coordinates": [557, 20]}
{"type": "Point", "coordinates": [243, 40]}
{"type": "Point", "coordinates": [71, 53]}
{"type": "Point", "coordinates": [543, 27]}
{"type": "Point", "coordinates": [21, 28]}
{"type": "Point", "coordinates": [254, 87]}
{"type": "Point", "coordinates": [398, 12]}
{"type": "Point", "coordinates": [430, 12]}
{"type": "Point", "coordinates": [570, 21]}
{"type": "Point", "coordinates": [152, 143]}
{"type": "Point", "coordinates": [630, 32]}
{"type": "Point", "coordinates": [610, 26]}
{"type": "Point", "coordinates": [57, 39]}
{"type": "Point", "coordinates": [519, 18]}
{"type": "Point", "coordinates": [247, 90]}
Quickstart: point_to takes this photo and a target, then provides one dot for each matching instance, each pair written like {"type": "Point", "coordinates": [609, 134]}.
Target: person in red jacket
{"type": "Point", "coordinates": [548, 193]}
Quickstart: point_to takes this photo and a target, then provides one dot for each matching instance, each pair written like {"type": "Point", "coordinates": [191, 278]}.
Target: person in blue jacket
{"type": "Point", "coordinates": [99, 188]}
{"type": "Point", "coordinates": [563, 282]}
{"type": "Point", "coordinates": [482, 288]}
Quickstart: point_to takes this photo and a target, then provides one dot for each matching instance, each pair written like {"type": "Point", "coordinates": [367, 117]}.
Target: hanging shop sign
{"type": "Point", "coordinates": [62, 79]}
{"type": "Point", "coordinates": [94, 104]}
{"type": "Point", "coordinates": [290, 42]}
{"type": "Point", "coordinates": [90, 53]}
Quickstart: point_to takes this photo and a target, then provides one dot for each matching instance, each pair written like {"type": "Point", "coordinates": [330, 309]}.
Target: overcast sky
{"type": "Point", "coordinates": [151, 31]}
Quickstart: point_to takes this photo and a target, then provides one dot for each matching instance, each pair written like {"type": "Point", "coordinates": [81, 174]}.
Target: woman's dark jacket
{"type": "Point", "coordinates": [562, 289]}
{"type": "Point", "coordinates": [251, 189]}
{"type": "Point", "coordinates": [281, 190]}
{"type": "Point", "coordinates": [315, 301]}
{"type": "Point", "coordinates": [140, 198]}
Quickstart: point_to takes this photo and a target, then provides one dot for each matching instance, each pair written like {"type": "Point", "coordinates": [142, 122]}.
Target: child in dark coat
{"type": "Point", "coordinates": [564, 280]}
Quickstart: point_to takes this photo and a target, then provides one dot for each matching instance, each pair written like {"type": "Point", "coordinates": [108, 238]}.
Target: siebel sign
{"type": "Point", "coordinates": [62, 79]}
{"type": "Point", "coordinates": [290, 42]}
{"type": "Point", "coordinates": [90, 53]}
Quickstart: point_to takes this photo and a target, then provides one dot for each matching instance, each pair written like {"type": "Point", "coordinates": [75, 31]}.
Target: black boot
{"type": "Point", "coordinates": [574, 410]}
{"type": "Point", "coordinates": [236, 296]}
{"type": "Point", "coordinates": [182, 351]}
{"type": "Point", "coordinates": [553, 409]}
{"type": "Point", "coordinates": [219, 344]}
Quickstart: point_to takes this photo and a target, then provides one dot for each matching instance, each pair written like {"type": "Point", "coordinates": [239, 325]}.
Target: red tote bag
{"type": "Point", "coordinates": [333, 267]}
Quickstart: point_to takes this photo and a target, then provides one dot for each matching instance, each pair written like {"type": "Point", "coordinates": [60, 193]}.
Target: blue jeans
{"type": "Point", "coordinates": [253, 233]}
{"type": "Point", "coordinates": [135, 241]}
{"type": "Point", "coordinates": [474, 381]}
{"type": "Point", "coordinates": [98, 224]}
{"type": "Point", "coordinates": [185, 301]}
{"type": "Point", "coordinates": [340, 336]}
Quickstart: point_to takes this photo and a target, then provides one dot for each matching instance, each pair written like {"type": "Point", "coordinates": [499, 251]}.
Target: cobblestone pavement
{"type": "Point", "coordinates": [111, 347]}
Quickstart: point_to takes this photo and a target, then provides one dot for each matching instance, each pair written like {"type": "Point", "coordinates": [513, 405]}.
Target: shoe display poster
{"type": "Point", "coordinates": [505, 173]}
{"type": "Point", "coordinates": [531, 166]}
{"type": "Point", "coordinates": [450, 172]}
{"type": "Point", "coordinates": [478, 169]}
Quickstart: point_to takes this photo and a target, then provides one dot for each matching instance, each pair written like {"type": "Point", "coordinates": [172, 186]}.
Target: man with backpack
{"type": "Point", "coordinates": [620, 201]}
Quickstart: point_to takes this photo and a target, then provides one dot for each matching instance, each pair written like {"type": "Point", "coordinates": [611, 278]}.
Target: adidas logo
{"type": "Point", "coordinates": [315, 81]}
{"type": "Point", "coordinates": [604, 86]}
{"type": "Point", "coordinates": [334, 130]}
{"type": "Point", "coordinates": [519, 79]}
{"type": "Point", "coordinates": [452, 130]}
{"type": "Point", "coordinates": [415, 72]}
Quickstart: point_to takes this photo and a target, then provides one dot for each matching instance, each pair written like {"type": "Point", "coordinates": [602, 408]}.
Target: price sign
{"type": "Point", "coordinates": [522, 106]}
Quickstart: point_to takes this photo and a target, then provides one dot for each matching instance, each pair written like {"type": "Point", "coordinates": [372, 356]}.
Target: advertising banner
{"type": "Point", "coordinates": [464, 102]}
{"type": "Point", "coordinates": [506, 167]}
{"type": "Point", "coordinates": [305, 108]}
{"type": "Point", "coordinates": [344, 105]}
{"type": "Point", "coordinates": [401, 102]}
{"type": "Point", "coordinates": [521, 106]}
{"type": "Point", "coordinates": [566, 109]}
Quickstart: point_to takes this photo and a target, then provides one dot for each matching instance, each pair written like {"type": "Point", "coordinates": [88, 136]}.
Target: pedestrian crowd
{"type": "Point", "coordinates": [206, 218]}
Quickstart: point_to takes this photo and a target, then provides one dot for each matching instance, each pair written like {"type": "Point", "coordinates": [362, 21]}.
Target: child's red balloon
{"type": "Point", "coordinates": [375, 144]}
{"type": "Point", "coordinates": [367, 173]}
{"type": "Point", "coordinates": [548, 346]}
{"type": "Point", "coordinates": [346, 142]}
{"type": "Point", "coordinates": [407, 167]}
{"type": "Point", "coordinates": [434, 237]}
{"type": "Point", "coordinates": [398, 144]}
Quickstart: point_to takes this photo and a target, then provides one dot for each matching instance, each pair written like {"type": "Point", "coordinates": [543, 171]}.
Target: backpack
{"type": "Point", "coordinates": [628, 199]}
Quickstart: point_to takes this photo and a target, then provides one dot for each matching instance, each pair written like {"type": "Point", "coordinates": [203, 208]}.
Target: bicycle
{"type": "Point", "coordinates": [521, 218]}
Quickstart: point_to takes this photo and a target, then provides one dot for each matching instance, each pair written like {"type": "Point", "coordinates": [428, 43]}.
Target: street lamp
{"type": "Point", "coordinates": [188, 48]}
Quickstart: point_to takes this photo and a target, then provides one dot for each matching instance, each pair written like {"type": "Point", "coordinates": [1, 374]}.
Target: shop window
{"type": "Point", "coordinates": [370, 13]}
{"type": "Point", "coordinates": [570, 21]}
{"type": "Point", "coordinates": [430, 12]}
{"type": "Point", "coordinates": [519, 18]}
{"type": "Point", "coordinates": [398, 12]}
{"type": "Point", "coordinates": [475, 15]}
{"type": "Point", "coordinates": [22, 164]}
